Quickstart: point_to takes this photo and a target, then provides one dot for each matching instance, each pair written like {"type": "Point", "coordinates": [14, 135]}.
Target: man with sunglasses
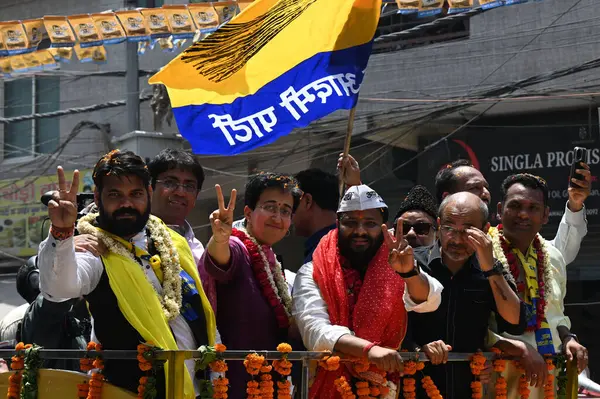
{"type": "Point", "coordinates": [418, 214]}
{"type": "Point", "coordinates": [475, 285]}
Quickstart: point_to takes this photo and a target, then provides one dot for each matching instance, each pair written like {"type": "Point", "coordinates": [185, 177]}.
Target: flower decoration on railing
{"type": "Point", "coordinates": [92, 389]}
{"type": "Point", "coordinates": [501, 385]}
{"type": "Point", "coordinates": [549, 389]}
{"type": "Point", "coordinates": [477, 365]}
{"type": "Point", "coordinates": [146, 358]}
{"type": "Point", "coordinates": [409, 384]}
{"type": "Point", "coordinates": [330, 363]}
{"type": "Point", "coordinates": [253, 364]}
{"type": "Point", "coordinates": [17, 364]}
{"type": "Point", "coordinates": [284, 368]}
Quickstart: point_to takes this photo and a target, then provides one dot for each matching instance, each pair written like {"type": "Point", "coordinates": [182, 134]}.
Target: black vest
{"type": "Point", "coordinates": [114, 332]}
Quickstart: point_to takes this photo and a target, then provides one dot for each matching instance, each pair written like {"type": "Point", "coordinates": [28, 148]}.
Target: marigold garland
{"type": "Point", "coordinates": [283, 366]}
{"type": "Point", "coordinates": [17, 364]}
{"type": "Point", "coordinates": [430, 388]}
{"type": "Point", "coordinates": [266, 383]}
{"type": "Point", "coordinates": [344, 388]}
{"type": "Point", "coordinates": [252, 390]}
{"type": "Point", "coordinates": [503, 252]}
{"type": "Point", "coordinates": [409, 384]}
{"type": "Point", "coordinates": [549, 389]}
{"type": "Point", "coordinates": [221, 384]}
{"type": "Point", "coordinates": [94, 385]}
{"type": "Point", "coordinates": [330, 363]}
{"type": "Point", "coordinates": [147, 384]}
{"type": "Point", "coordinates": [523, 383]}
{"type": "Point", "coordinates": [477, 365]}
{"type": "Point", "coordinates": [501, 386]}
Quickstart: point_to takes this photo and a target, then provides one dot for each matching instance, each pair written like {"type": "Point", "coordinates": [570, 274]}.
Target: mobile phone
{"type": "Point", "coordinates": [578, 159]}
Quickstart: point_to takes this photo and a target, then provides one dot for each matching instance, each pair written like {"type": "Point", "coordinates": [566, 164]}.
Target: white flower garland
{"type": "Point", "coordinates": [276, 280]}
{"type": "Point", "coordinates": [171, 297]}
{"type": "Point", "coordinates": [501, 256]}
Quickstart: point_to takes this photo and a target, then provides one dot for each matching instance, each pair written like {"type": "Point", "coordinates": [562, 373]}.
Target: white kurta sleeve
{"type": "Point", "coordinates": [65, 274]}
{"type": "Point", "coordinates": [310, 312]}
{"type": "Point", "coordinates": [434, 299]}
{"type": "Point", "coordinates": [571, 230]}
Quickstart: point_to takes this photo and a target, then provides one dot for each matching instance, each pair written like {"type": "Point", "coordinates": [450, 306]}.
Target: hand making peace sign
{"type": "Point", "coordinates": [62, 208]}
{"type": "Point", "coordinates": [222, 219]}
{"type": "Point", "coordinates": [401, 257]}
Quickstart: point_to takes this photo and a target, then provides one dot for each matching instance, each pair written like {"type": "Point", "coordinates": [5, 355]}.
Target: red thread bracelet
{"type": "Point", "coordinates": [368, 347]}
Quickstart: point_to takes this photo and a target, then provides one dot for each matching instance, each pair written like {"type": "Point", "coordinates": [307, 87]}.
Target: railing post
{"type": "Point", "coordinates": [171, 376]}
{"type": "Point", "coordinates": [304, 378]}
{"type": "Point", "coordinates": [179, 366]}
{"type": "Point", "coordinates": [572, 380]}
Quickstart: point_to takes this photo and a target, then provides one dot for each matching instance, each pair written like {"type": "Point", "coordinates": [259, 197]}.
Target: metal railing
{"type": "Point", "coordinates": [177, 367]}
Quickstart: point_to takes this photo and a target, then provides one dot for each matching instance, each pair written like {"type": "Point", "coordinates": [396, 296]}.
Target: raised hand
{"type": "Point", "coordinates": [401, 257]}
{"type": "Point", "coordinates": [221, 220]}
{"type": "Point", "coordinates": [482, 244]}
{"type": "Point", "coordinates": [577, 196]}
{"type": "Point", "coordinates": [62, 208]}
{"type": "Point", "coordinates": [349, 170]}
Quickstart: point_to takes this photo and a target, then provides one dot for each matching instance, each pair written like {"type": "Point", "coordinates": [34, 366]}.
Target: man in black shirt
{"type": "Point", "coordinates": [474, 286]}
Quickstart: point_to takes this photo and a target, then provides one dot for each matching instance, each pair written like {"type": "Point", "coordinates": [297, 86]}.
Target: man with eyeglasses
{"type": "Point", "coordinates": [418, 214]}
{"type": "Point", "coordinates": [177, 179]}
{"type": "Point", "coordinates": [474, 285]}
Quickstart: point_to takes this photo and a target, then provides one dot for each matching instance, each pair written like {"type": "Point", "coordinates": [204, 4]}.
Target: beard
{"type": "Point", "coordinates": [123, 227]}
{"type": "Point", "coordinates": [359, 260]}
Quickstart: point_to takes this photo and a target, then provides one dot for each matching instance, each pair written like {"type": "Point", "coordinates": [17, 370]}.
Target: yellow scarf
{"type": "Point", "coordinates": [140, 305]}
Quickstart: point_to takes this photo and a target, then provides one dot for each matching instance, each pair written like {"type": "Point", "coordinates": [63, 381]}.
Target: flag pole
{"type": "Point", "coordinates": [347, 145]}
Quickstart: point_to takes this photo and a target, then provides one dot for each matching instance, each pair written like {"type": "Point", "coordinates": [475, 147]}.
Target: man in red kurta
{"type": "Point", "coordinates": [351, 298]}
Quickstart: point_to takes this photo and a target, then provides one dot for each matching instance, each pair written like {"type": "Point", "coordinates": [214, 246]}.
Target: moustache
{"type": "Point", "coordinates": [126, 212]}
{"type": "Point", "coordinates": [457, 247]}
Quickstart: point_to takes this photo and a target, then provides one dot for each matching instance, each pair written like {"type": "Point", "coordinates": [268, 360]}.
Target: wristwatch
{"type": "Point", "coordinates": [570, 335]}
{"type": "Point", "coordinates": [497, 270]}
{"type": "Point", "coordinates": [414, 272]}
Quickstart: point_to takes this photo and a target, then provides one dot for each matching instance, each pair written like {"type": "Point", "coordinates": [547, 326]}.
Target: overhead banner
{"type": "Point", "coordinates": [22, 214]}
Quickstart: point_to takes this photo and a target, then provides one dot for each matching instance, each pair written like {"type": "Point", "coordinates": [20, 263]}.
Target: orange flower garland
{"type": "Point", "coordinates": [409, 384]}
{"type": "Point", "coordinates": [330, 363]}
{"type": "Point", "coordinates": [253, 364]}
{"type": "Point", "coordinates": [147, 384]}
{"type": "Point", "coordinates": [430, 388]}
{"type": "Point", "coordinates": [362, 390]}
{"type": "Point", "coordinates": [549, 390]}
{"type": "Point", "coordinates": [477, 365]}
{"type": "Point", "coordinates": [284, 368]}
{"type": "Point", "coordinates": [97, 381]}
{"type": "Point", "coordinates": [221, 384]}
{"type": "Point", "coordinates": [523, 384]}
{"type": "Point", "coordinates": [499, 367]}
{"type": "Point", "coordinates": [266, 386]}
{"type": "Point", "coordinates": [17, 363]}
{"type": "Point", "coordinates": [344, 388]}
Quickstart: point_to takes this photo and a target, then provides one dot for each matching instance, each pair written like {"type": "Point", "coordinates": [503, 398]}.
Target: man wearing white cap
{"type": "Point", "coordinates": [351, 298]}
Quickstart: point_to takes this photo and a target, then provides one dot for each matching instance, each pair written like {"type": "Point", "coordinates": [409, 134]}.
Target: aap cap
{"type": "Point", "coordinates": [360, 198]}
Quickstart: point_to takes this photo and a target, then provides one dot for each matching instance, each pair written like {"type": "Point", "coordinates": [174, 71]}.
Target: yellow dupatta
{"type": "Point", "coordinates": [140, 304]}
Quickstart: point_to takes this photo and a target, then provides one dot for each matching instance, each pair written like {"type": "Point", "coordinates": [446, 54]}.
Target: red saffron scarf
{"type": "Point", "coordinates": [379, 314]}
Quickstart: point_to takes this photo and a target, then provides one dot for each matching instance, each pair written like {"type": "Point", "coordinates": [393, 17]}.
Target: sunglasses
{"type": "Point", "coordinates": [421, 228]}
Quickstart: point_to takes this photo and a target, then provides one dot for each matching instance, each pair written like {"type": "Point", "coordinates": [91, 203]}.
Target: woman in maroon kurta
{"type": "Point", "coordinates": [254, 305]}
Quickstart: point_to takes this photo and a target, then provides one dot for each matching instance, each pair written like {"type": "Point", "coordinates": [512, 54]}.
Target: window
{"type": "Point", "coordinates": [24, 97]}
